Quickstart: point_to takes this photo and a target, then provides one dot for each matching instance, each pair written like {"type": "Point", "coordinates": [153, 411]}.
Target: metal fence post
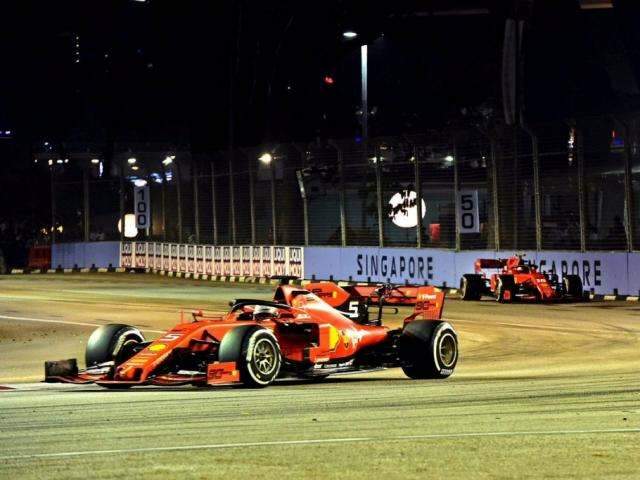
{"type": "Point", "coordinates": [581, 190]}
{"type": "Point", "coordinates": [341, 194]}
{"type": "Point", "coordinates": [232, 199]}
{"type": "Point", "coordinates": [214, 208]}
{"type": "Point", "coordinates": [303, 193]}
{"type": "Point", "coordinates": [537, 205]}
{"type": "Point", "coordinates": [53, 205]}
{"type": "Point", "coordinates": [85, 202]}
{"type": "Point", "coordinates": [274, 222]}
{"type": "Point", "coordinates": [628, 188]}
{"type": "Point", "coordinates": [495, 196]}
{"type": "Point", "coordinates": [163, 203]}
{"type": "Point", "coordinates": [378, 169]}
{"type": "Point", "coordinates": [456, 192]}
{"type": "Point", "coordinates": [252, 200]}
{"type": "Point", "coordinates": [179, 201]}
{"type": "Point", "coordinates": [516, 191]}
{"type": "Point", "coordinates": [122, 215]}
{"type": "Point", "coordinates": [418, 187]}
{"type": "Point", "coordinates": [196, 200]}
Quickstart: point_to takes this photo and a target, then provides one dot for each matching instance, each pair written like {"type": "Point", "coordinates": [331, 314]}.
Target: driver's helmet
{"type": "Point", "coordinates": [264, 312]}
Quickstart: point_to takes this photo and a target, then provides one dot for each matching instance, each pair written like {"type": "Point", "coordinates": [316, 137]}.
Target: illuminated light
{"type": "Point", "coordinates": [130, 229]}
{"type": "Point", "coordinates": [140, 182]}
{"type": "Point", "coordinates": [266, 158]}
{"type": "Point", "coordinates": [448, 158]}
{"type": "Point", "coordinates": [95, 161]}
{"type": "Point", "coordinates": [132, 160]}
{"type": "Point", "coordinates": [168, 176]}
{"type": "Point", "coordinates": [156, 177]}
{"type": "Point", "coordinates": [59, 161]}
{"type": "Point", "coordinates": [404, 209]}
{"type": "Point", "coordinates": [60, 228]}
{"type": "Point", "coordinates": [349, 34]}
{"type": "Point", "coordinates": [135, 167]}
{"type": "Point", "coordinates": [66, 160]}
{"type": "Point", "coordinates": [46, 144]}
{"type": "Point", "coordinates": [35, 160]}
{"type": "Point", "coordinates": [168, 160]}
{"type": "Point", "coordinates": [50, 162]}
{"type": "Point", "coordinates": [7, 132]}
{"type": "Point", "coordinates": [329, 80]}
{"type": "Point", "coordinates": [412, 159]}
{"type": "Point", "coordinates": [100, 169]}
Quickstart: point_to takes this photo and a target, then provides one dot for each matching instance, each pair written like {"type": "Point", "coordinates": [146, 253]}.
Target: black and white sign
{"type": "Point", "coordinates": [142, 206]}
{"type": "Point", "coordinates": [403, 209]}
{"type": "Point", "coordinates": [468, 212]}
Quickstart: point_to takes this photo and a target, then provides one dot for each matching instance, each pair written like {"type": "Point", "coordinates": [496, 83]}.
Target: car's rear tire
{"type": "Point", "coordinates": [428, 349]}
{"type": "Point", "coordinates": [260, 358]}
{"type": "Point", "coordinates": [573, 286]}
{"type": "Point", "coordinates": [505, 288]}
{"type": "Point", "coordinates": [113, 342]}
{"type": "Point", "coordinates": [471, 287]}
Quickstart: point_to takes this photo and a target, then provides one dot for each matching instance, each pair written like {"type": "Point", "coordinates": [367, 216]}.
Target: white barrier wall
{"type": "Point", "coordinates": [603, 272]}
{"type": "Point", "coordinates": [249, 261]}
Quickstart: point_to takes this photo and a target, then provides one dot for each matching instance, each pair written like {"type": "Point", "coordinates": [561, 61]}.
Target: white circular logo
{"type": "Point", "coordinates": [404, 209]}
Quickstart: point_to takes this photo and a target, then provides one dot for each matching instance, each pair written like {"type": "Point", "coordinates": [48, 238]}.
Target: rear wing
{"type": "Point", "coordinates": [495, 263]}
{"type": "Point", "coordinates": [429, 304]}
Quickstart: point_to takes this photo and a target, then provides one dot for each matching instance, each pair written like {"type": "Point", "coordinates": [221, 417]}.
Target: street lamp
{"type": "Point", "coordinates": [349, 34]}
{"type": "Point", "coordinates": [266, 158]}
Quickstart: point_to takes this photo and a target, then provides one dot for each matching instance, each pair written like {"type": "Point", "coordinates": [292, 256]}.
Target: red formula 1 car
{"type": "Point", "coordinates": [298, 334]}
{"type": "Point", "coordinates": [515, 278]}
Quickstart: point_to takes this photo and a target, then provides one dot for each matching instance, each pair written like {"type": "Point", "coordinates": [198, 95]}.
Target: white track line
{"type": "Point", "coordinates": [65, 322]}
{"type": "Point", "coordinates": [317, 442]}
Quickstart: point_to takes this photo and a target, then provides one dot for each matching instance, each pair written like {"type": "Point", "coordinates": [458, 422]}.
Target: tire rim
{"type": "Point", "coordinates": [448, 350]}
{"type": "Point", "coordinates": [264, 356]}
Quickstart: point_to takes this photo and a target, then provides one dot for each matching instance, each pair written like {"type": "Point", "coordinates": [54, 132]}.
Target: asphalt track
{"type": "Point", "coordinates": [541, 391]}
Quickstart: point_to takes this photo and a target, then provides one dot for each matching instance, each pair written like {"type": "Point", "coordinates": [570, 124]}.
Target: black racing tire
{"type": "Point", "coordinates": [505, 283]}
{"type": "Point", "coordinates": [471, 287]}
{"type": "Point", "coordinates": [573, 286]}
{"type": "Point", "coordinates": [112, 342]}
{"type": "Point", "coordinates": [260, 359]}
{"type": "Point", "coordinates": [428, 349]}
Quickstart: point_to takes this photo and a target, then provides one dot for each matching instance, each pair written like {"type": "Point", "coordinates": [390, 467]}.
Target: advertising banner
{"type": "Point", "coordinates": [266, 266]}
{"type": "Point", "coordinates": [191, 258]}
{"type": "Point", "coordinates": [126, 254]}
{"type": "Point", "coordinates": [236, 261]}
{"type": "Point", "coordinates": [279, 260]}
{"type": "Point", "coordinates": [140, 255]}
{"type": "Point", "coordinates": [208, 260]}
{"type": "Point", "coordinates": [246, 261]}
{"type": "Point", "coordinates": [182, 258]}
{"type": "Point", "coordinates": [601, 272]}
{"type": "Point", "coordinates": [295, 261]}
{"type": "Point", "coordinates": [226, 260]}
{"type": "Point", "coordinates": [217, 260]}
{"type": "Point", "coordinates": [174, 257]}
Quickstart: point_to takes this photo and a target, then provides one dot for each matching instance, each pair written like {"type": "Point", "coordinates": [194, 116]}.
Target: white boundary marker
{"type": "Point", "coordinates": [66, 322]}
{"type": "Point", "coordinates": [392, 438]}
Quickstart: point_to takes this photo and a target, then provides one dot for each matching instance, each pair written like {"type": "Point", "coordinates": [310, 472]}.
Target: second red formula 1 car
{"type": "Point", "coordinates": [516, 279]}
{"type": "Point", "coordinates": [297, 334]}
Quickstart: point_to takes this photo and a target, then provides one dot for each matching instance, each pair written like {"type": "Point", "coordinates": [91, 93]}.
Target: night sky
{"type": "Point", "coordinates": [125, 70]}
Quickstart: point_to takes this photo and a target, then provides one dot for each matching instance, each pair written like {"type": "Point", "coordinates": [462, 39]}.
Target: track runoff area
{"type": "Point", "coordinates": [539, 391]}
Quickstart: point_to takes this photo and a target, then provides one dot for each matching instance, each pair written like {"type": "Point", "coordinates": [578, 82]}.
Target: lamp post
{"type": "Point", "coordinates": [267, 159]}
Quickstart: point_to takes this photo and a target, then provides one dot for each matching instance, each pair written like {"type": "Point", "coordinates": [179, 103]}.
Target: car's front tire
{"type": "Point", "coordinates": [113, 342]}
{"type": "Point", "coordinates": [260, 359]}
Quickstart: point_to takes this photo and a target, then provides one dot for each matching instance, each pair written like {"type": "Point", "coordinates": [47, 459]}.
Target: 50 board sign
{"type": "Point", "coordinates": [468, 211]}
